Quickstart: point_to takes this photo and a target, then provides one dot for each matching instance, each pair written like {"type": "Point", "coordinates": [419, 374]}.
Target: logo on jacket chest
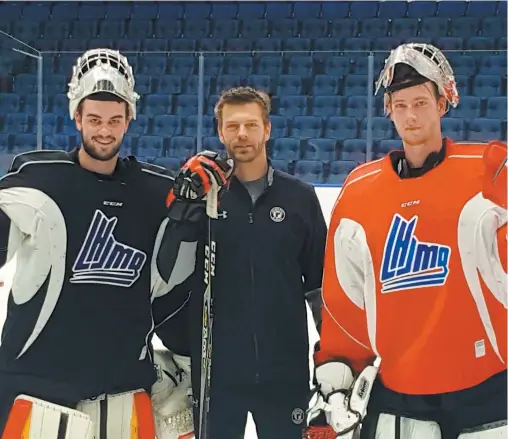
{"type": "Point", "coordinates": [104, 260]}
{"type": "Point", "coordinates": [409, 263]}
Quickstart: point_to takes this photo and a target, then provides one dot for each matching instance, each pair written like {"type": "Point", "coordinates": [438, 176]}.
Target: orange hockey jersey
{"type": "Point", "coordinates": [415, 272]}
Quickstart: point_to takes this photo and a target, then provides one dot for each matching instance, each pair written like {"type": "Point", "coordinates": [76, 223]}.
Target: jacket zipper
{"type": "Point", "coordinates": [253, 292]}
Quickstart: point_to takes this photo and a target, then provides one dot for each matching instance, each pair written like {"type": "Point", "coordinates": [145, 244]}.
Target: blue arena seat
{"type": "Point", "coordinates": [279, 126]}
{"type": "Point", "coordinates": [92, 11]}
{"type": "Point", "coordinates": [196, 29]}
{"type": "Point", "coordinates": [354, 149]}
{"type": "Point", "coordinates": [144, 10]}
{"type": "Point", "coordinates": [465, 27]}
{"type": "Point", "coordinates": [17, 123]}
{"type": "Point", "coordinates": [469, 107]}
{"type": "Point", "coordinates": [65, 11]}
{"type": "Point", "coordinates": [285, 148]}
{"type": "Point", "coordinates": [186, 105]}
{"type": "Point", "coordinates": [421, 9]}
{"type": "Point", "coordinates": [487, 85]}
{"type": "Point", "coordinates": [496, 107]}
{"type": "Point", "coordinates": [432, 26]}
{"type": "Point", "coordinates": [190, 126]}
{"type": "Point", "coordinates": [225, 28]}
{"type": "Point", "coordinates": [311, 171]}
{"type": "Point", "coordinates": [306, 127]}
{"type": "Point", "coordinates": [213, 144]}
{"type": "Point", "coordinates": [356, 107]}
{"type": "Point", "coordinates": [453, 128]}
{"type": "Point", "coordinates": [326, 149]}
{"type": "Point", "coordinates": [168, 28]}
{"type": "Point", "coordinates": [494, 26]}
{"type": "Point", "coordinates": [24, 142]}
{"type": "Point", "coordinates": [364, 9]}
{"type": "Point", "coordinates": [9, 103]}
{"type": "Point", "coordinates": [183, 147]}
{"type": "Point", "coordinates": [192, 84]}
{"type": "Point", "coordinates": [281, 165]}
{"type": "Point", "coordinates": [251, 10]}
{"type": "Point", "coordinates": [149, 146]}
{"type": "Point", "coordinates": [482, 9]}
{"type": "Point", "coordinates": [278, 10]}
{"type": "Point", "coordinates": [166, 125]}
{"type": "Point", "coordinates": [254, 28]}
{"type": "Point", "coordinates": [325, 85]}
{"type": "Point", "coordinates": [140, 126]}
{"type": "Point", "coordinates": [484, 130]}
{"type": "Point", "coordinates": [451, 8]}
{"type": "Point", "coordinates": [172, 164]}
{"type": "Point", "coordinates": [157, 104]}
{"type": "Point", "coordinates": [341, 128]}
{"type": "Point", "coordinates": [62, 142]}
{"type": "Point", "coordinates": [314, 28]}
{"type": "Point", "coordinates": [291, 106]}
{"type": "Point", "coordinates": [170, 84]}
{"type": "Point", "coordinates": [339, 170]}
{"type": "Point", "coordinates": [327, 106]}
{"type": "Point", "coordinates": [375, 27]}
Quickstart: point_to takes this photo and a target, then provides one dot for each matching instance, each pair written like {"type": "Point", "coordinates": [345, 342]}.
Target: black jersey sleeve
{"type": "Point", "coordinates": [312, 257]}
{"type": "Point", "coordinates": [174, 277]}
{"type": "Point", "coordinates": [5, 226]}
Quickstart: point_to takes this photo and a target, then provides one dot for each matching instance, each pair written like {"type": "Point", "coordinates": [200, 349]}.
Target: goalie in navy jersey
{"type": "Point", "coordinates": [76, 359]}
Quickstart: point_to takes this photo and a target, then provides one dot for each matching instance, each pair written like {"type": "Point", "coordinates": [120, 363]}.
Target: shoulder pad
{"type": "Point", "coordinates": [39, 156]}
{"type": "Point", "coordinates": [366, 169]}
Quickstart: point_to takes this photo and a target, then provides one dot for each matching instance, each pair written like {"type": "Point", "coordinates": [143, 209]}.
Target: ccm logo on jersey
{"type": "Point", "coordinates": [104, 260]}
{"type": "Point", "coordinates": [409, 263]}
{"type": "Point", "coordinates": [410, 203]}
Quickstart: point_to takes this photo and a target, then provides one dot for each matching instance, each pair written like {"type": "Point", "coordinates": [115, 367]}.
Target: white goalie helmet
{"type": "Point", "coordinates": [428, 61]}
{"type": "Point", "coordinates": [102, 70]}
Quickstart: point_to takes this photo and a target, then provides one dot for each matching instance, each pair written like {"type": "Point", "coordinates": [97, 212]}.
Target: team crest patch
{"type": "Point", "coordinates": [298, 416]}
{"type": "Point", "coordinates": [409, 263]}
{"type": "Point", "coordinates": [104, 260]}
{"type": "Point", "coordinates": [277, 214]}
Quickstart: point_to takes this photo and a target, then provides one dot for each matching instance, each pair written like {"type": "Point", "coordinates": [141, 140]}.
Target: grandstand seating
{"type": "Point", "coordinates": [311, 56]}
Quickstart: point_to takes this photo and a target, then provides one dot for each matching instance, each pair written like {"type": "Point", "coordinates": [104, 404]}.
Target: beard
{"type": "Point", "coordinates": [245, 154]}
{"type": "Point", "coordinates": [96, 152]}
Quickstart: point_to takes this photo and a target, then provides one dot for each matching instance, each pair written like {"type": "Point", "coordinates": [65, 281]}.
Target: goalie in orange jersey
{"type": "Point", "coordinates": [415, 285]}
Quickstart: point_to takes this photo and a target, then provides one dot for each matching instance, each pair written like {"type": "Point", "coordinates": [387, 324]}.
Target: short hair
{"type": "Point", "coordinates": [244, 95]}
{"type": "Point", "coordinates": [103, 96]}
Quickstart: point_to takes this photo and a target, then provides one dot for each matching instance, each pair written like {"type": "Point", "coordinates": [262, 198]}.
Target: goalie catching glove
{"type": "Point", "coordinates": [199, 177]}
{"type": "Point", "coordinates": [172, 396]}
{"type": "Point", "coordinates": [339, 403]}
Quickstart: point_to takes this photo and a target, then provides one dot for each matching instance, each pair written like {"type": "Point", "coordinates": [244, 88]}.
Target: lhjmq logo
{"type": "Point", "coordinates": [409, 263]}
{"type": "Point", "coordinates": [104, 260]}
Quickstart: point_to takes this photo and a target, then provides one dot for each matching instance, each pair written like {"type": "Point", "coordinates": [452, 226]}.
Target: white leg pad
{"type": "Point", "coordinates": [32, 418]}
{"type": "Point", "coordinates": [496, 432]}
{"type": "Point", "coordinates": [409, 428]}
{"type": "Point", "coordinates": [129, 415]}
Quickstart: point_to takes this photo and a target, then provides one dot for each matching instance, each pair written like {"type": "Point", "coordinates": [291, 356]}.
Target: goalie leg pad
{"type": "Point", "coordinates": [32, 418]}
{"type": "Point", "coordinates": [497, 430]}
{"type": "Point", "coordinates": [172, 396]}
{"type": "Point", "coordinates": [128, 415]}
{"type": "Point", "coordinates": [396, 427]}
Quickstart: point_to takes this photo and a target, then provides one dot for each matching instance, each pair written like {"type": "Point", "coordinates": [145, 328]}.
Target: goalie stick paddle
{"type": "Point", "coordinates": [206, 330]}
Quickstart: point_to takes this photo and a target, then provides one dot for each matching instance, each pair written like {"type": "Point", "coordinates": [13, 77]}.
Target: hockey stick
{"type": "Point", "coordinates": [206, 334]}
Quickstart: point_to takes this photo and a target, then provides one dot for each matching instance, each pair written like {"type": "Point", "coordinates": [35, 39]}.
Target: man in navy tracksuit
{"type": "Point", "coordinates": [270, 244]}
